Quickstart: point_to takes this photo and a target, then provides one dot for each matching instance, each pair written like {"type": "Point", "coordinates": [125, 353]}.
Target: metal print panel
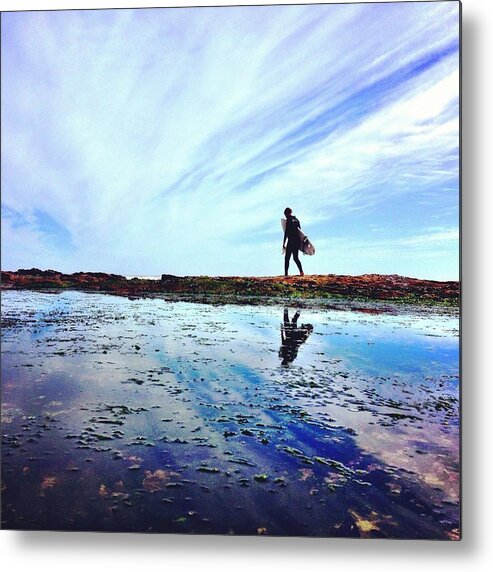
{"type": "Point", "coordinates": [230, 285]}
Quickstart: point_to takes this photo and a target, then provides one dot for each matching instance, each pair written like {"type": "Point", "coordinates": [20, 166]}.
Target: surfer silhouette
{"type": "Point", "coordinates": [292, 336]}
{"type": "Point", "coordinates": [293, 240]}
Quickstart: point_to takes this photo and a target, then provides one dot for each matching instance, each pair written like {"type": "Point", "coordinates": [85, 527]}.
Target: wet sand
{"type": "Point", "coordinates": [163, 415]}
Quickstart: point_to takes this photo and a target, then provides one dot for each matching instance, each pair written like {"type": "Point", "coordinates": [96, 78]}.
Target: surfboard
{"type": "Point", "coordinates": [306, 245]}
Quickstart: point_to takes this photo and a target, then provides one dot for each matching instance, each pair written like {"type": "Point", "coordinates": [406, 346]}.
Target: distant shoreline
{"type": "Point", "coordinates": [368, 286]}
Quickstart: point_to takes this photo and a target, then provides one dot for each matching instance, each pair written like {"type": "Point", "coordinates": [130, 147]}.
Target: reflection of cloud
{"type": "Point", "coordinates": [400, 451]}
{"type": "Point", "coordinates": [149, 141]}
{"type": "Point", "coordinates": [157, 480]}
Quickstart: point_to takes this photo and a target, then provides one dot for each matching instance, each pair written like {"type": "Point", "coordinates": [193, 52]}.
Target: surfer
{"type": "Point", "coordinates": [292, 236]}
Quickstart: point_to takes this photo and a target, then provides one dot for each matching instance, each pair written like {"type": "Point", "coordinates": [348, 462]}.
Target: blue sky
{"type": "Point", "coordinates": [171, 140]}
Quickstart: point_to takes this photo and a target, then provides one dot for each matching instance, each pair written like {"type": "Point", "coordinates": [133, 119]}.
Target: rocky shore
{"type": "Point", "coordinates": [367, 286]}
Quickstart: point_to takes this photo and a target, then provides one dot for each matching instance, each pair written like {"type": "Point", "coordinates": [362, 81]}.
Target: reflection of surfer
{"type": "Point", "coordinates": [292, 236]}
{"type": "Point", "coordinates": [292, 337]}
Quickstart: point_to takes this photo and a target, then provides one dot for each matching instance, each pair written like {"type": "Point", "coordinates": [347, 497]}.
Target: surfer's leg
{"type": "Point", "coordinates": [297, 260]}
{"type": "Point", "coordinates": [294, 321]}
{"type": "Point", "coordinates": [286, 259]}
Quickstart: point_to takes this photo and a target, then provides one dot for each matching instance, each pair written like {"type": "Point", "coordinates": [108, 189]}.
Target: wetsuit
{"type": "Point", "coordinates": [294, 243]}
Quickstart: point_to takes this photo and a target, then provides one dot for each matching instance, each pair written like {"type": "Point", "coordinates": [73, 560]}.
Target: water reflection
{"type": "Point", "coordinates": [292, 336]}
{"type": "Point", "coordinates": [175, 417]}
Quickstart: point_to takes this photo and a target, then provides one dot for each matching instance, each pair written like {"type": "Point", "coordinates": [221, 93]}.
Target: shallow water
{"type": "Point", "coordinates": [170, 416]}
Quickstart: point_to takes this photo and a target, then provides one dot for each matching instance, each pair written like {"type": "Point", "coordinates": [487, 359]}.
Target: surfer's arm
{"type": "Point", "coordinates": [285, 237]}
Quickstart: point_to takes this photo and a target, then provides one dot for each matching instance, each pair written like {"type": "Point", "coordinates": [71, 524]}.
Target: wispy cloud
{"type": "Point", "coordinates": [436, 237]}
{"type": "Point", "coordinates": [154, 141]}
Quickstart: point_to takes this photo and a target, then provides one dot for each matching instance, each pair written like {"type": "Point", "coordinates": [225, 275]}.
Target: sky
{"type": "Point", "coordinates": [151, 141]}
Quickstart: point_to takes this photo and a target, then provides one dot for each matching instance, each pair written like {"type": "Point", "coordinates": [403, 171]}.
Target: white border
{"type": "Point", "coordinates": [39, 551]}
